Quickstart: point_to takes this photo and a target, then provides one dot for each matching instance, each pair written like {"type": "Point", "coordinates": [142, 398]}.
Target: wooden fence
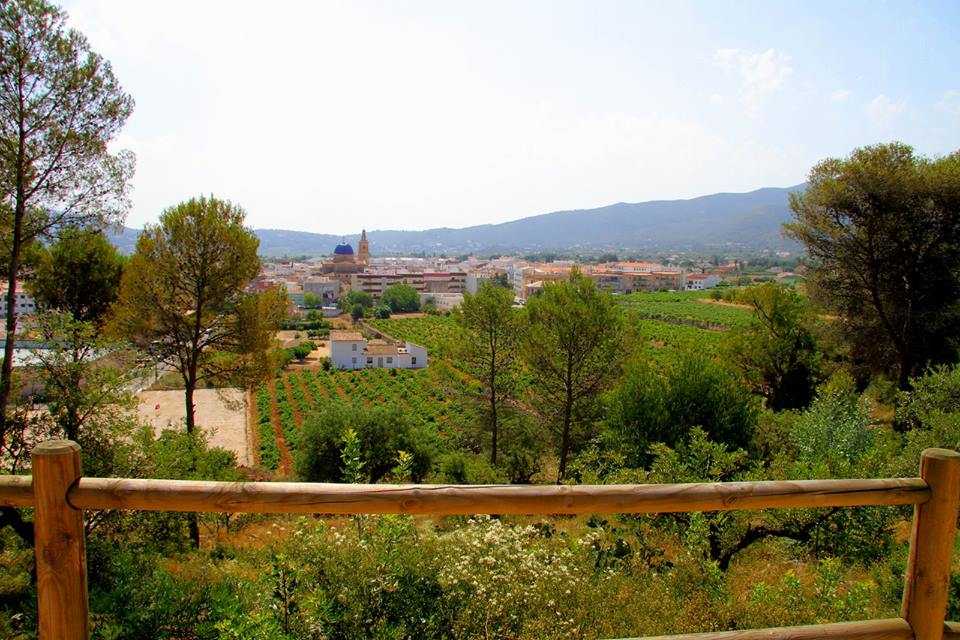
{"type": "Point", "coordinates": [59, 494]}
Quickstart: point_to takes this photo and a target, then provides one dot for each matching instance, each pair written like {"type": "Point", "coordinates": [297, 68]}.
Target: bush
{"type": "Point", "coordinates": [383, 433]}
{"type": "Point", "coordinates": [935, 393]}
{"type": "Point", "coordinates": [662, 404]}
{"type": "Point", "coordinates": [401, 298]}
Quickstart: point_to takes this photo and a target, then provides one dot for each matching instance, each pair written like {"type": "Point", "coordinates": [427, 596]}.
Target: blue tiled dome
{"type": "Point", "coordinates": [343, 250]}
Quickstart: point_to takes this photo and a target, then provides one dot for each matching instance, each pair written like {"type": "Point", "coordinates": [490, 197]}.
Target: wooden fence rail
{"type": "Point", "coordinates": [59, 494]}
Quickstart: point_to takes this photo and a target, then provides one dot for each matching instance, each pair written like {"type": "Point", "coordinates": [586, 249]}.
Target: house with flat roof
{"type": "Point", "coordinates": [350, 350]}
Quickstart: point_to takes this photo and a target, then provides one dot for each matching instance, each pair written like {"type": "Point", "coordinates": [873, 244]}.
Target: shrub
{"type": "Point", "coordinates": [382, 432]}
{"type": "Point", "coordinates": [662, 403]}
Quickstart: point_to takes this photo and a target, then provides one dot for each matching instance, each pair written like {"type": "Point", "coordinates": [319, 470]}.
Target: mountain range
{"type": "Point", "coordinates": [730, 221]}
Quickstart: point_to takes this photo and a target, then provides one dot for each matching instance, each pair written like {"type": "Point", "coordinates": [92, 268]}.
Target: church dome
{"type": "Point", "coordinates": [343, 250]}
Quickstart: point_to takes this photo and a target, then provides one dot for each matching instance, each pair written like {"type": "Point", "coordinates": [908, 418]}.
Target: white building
{"type": "Point", "coordinates": [328, 289]}
{"type": "Point", "coordinates": [700, 281]}
{"type": "Point", "coordinates": [24, 305]}
{"type": "Point", "coordinates": [350, 350]}
{"type": "Point", "coordinates": [443, 301]}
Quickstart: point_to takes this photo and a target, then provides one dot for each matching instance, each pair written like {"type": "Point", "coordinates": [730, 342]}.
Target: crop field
{"type": "Point", "coordinates": [432, 332]}
{"type": "Point", "coordinates": [687, 308]}
{"type": "Point", "coordinates": [430, 395]}
{"type": "Point", "coordinates": [666, 336]}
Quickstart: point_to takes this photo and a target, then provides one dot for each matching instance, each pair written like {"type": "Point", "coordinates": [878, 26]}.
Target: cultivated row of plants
{"type": "Point", "coordinates": [424, 394]}
{"type": "Point", "coordinates": [687, 307]}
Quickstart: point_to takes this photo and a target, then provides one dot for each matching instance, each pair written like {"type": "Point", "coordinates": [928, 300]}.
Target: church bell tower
{"type": "Point", "coordinates": [363, 250]}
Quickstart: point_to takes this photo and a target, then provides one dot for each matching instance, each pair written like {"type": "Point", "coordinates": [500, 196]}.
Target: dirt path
{"type": "Point", "coordinates": [286, 461]}
{"type": "Point", "coordinates": [725, 303]}
{"type": "Point", "coordinates": [253, 438]}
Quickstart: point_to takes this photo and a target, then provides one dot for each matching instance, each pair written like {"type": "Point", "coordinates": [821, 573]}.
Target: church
{"type": "Point", "coordinates": [345, 262]}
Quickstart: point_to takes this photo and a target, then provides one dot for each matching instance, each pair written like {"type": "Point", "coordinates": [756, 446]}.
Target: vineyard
{"type": "Point", "coordinates": [432, 332]}
{"type": "Point", "coordinates": [285, 402]}
{"type": "Point", "coordinates": [687, 308]}
{"type": "Point", "coordinates": [667, 320]}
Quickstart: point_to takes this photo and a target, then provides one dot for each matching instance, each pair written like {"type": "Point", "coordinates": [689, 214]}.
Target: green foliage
{"type": "Point", "coordinates": [312, 300]}
{"type": "Point", "coordinates": [436, 333]}
{"type": "Point", "coordinates": [936, 394]}
{"type": "Point", "coordinates": [485, 346]}
{"type": "Point", "coordinates": [63, 107]}
{"type": "Point", "coordinates": [661, 404]}
{"type": "Point", "coordinates": [687, 308]}
{"type": "Point", "coordinates": [882, 228]}
{"type": "Point", "coordinates": [85, 393]}
{"type": "Point", "coordinates": [79, 274]}
{"type": "Point", "coordinates": [355, 297]}
{"type": "Point", "coordinates": [357, 312]}
{"type": "Point", "coordinates": [380, 432]}
{"type": "Point", "coordinates": [302, 350]}
{"type": "Point", "coordinates": [573, 350]}
{"type": "Point", "coordinates": [834, 438]}
{"type": "Point", "coordinates": [381, 312]}
{"type": "Point", "coordinates": [183, 297]}
{"type": "Point", "coordinates": [401, 298]}
{"type": "Point", "coordinates": [777, 353]}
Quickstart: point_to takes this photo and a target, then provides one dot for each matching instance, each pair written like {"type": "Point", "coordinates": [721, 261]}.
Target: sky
{"type": "Point", "coordinates": [333, 116]}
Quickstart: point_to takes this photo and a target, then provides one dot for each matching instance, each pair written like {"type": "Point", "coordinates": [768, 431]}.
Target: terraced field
{"type": "Point", "coordinates": [285, 402]}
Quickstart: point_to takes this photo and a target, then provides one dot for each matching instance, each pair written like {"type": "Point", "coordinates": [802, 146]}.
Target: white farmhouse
{"type": "Point", "coordinates": [700, 281]}
{"type": "Point", "coordinates": [350, 350]}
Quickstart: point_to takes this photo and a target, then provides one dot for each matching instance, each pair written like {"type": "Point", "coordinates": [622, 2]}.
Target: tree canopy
{"type": "Point", "coordinates": [401, 298]}
{"type": "Point", "coordinates": [573, 350]}
{"type": "Point", "coordinates": [882, 228]}
{"type": "Point", "coordinates": [80, 274]}
{"type": "Point", "coordinates": [183, 297]}
{"type": "Point", "coordinates": [60, 106]}
{"type": "Point", "coordinates": [486, 344]}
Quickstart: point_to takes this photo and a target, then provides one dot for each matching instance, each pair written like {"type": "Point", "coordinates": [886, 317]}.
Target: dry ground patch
{"type": "Point", "coordinates": [221, 413]}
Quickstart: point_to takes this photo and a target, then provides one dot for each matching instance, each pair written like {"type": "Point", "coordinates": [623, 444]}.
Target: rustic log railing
{"type": "Point", "coordinates": [59, 494]}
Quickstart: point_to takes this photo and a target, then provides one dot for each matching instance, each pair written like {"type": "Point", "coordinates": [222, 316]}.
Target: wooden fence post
{"type": "Point", "coordinates": [931, 545]}
{"type": "Point", "coordinates": [58, 543]}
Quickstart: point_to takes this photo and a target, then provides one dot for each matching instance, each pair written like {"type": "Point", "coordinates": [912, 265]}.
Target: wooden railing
{"type": "Point", "coordinates": [59, 494]}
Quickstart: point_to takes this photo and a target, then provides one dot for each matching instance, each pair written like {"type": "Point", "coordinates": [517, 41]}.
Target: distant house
{"type": "Point", "coordinates": [350, 350]}
{"type": "Point", "coordinates": [24, 304]}
{"type": "Point", "coordinates": [700, 281]}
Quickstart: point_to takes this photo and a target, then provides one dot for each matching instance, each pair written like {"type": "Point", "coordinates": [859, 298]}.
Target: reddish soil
{"type": "Point", "coordinates": [286, 461]}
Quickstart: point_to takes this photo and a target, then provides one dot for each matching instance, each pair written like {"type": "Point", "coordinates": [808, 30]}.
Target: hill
{"type": "Point", "coordinates": [719, 221]}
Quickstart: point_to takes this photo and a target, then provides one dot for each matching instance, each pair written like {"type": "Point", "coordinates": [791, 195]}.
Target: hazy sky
{"type": "Point", "coordinates": [332, 116]}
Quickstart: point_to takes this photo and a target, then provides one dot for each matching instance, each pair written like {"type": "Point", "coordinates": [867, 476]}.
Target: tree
{"type": "Point", "coordinates": [357, 312]}
{"type": "Point", "coordinates": [355, 297]}
{"type": "Point", "coordinates": [312, 300]}
{"type": "Point", "coordinates": [663, 402]}
{"type": "Point", "coordinates": [573, 349]}
{"type": "Point", "coordinates": [79, 274]}
{"type": "Point", "coordinates": [60, 106]}
{"type": "Point", "coordinates": [401, 298]}
{"type": "Point", "coordinates": [183, 297]}
{"type": "Point", "coordinates": [486, 344]}
{"type": "Point", "coordinates": [882, 228]}
{"type": "Point", "coordinates": [777, 353]}
{"type": "Point", "coordinates": [379, 435]}
{"type": "Point", "coordinates": [85, 378]}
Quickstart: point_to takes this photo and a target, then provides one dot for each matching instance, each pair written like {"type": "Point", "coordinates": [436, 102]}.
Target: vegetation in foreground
{"type": "Point", "coordinates": [854, 380]}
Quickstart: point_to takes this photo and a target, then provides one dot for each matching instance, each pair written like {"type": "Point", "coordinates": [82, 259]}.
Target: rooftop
{"type": "Point", "coordinates": [345, 336]}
